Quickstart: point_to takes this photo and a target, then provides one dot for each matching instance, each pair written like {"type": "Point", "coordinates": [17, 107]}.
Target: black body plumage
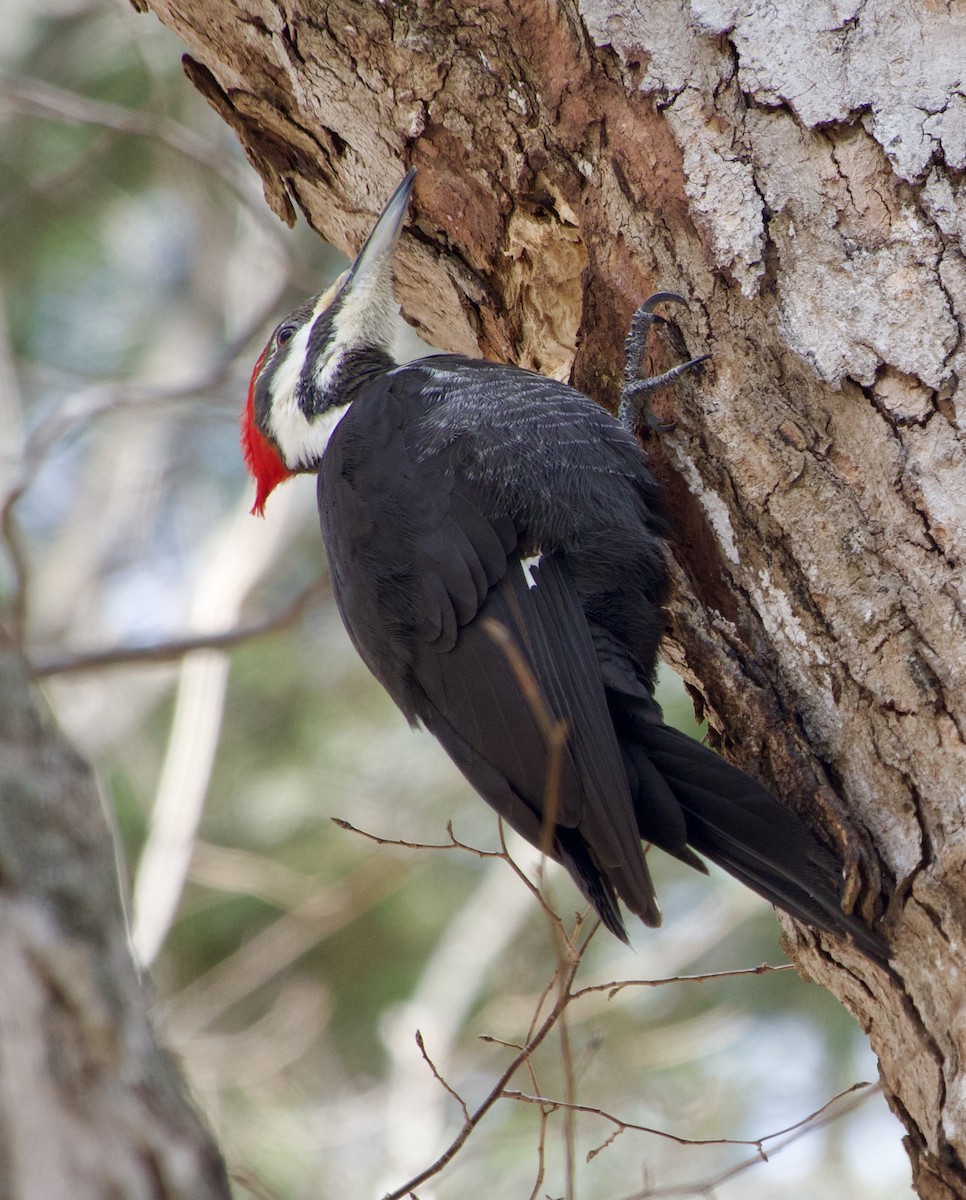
{"type": "Point", "coordinates": [495, 536]}
{"type": "Point", "coordinates": [456, 492]}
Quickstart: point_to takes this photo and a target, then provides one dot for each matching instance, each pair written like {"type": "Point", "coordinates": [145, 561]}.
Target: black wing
{"type": "Point", "coordinates": [479, 646]}
{"type": "Point", "coordinates": [438, 489]}
{"type": "Point", "coordinates": [525, 664]}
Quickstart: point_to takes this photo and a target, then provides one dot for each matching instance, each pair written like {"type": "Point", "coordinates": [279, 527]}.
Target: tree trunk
{"type": "Point", "coordinates": [90, 1106]}
{"type": "Point", "coordinates": [796, 172]}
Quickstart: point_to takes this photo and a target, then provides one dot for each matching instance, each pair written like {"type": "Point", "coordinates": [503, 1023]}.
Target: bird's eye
{"type": "Point", "coordinates": [284, 334]}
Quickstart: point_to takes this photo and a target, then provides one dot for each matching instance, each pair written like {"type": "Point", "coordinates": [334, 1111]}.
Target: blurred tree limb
{"type": "Point", "coordinates": [34, 95]}
{"type": "Point", "coordinates": [175, 648]}
{"type": "Point", "coordinates": [91, 1105]}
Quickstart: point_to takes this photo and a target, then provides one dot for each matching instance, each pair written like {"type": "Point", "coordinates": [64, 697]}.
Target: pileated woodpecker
{"type": "Point", "coordinates": [495, 543]}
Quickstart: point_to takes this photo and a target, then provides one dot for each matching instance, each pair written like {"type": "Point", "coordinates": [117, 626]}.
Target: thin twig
{"type": "Point", "coordinates": [570, 954]}
{"type": "Point", "coordinates": [542, 999]}
{"type": "Point", "coordinates": [570, 1110]}
{"type": "Point", "coordinates": [547, 1105]}
{"type": "Point", "coordinates": [545, 1114]}
{"type": "Point", "coordinates": [453, 844]}
{"type": "Point", "coordinates": [436, 1075]}
{"type": "Point", "coordinates": [613, 988]}
{"type": "Point", "coordinates": [537, 892]}
{"type": "Point", "coordinates": [757, 1144]}
{"type": "Point", "coordinates": [541, 1155]}
{"type": "Point", "coordinates": [163, 652]}
{"type": "Point", "coordinates": [623, 1126]}
{"type": "Point", "coordinates": [495, 1041]}
{"type": "Point", "coordinates": [814, 1121]}
{"type": "Point", "coordinates": [495, 1093]}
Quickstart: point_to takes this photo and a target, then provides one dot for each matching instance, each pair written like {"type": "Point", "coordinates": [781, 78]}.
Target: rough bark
{"type": "Point", "coordinates": [90, 1106]}
{"type": "Point", "coordinates": [795, 171]}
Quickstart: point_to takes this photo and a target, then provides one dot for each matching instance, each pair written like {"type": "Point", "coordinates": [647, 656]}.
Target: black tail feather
{"type": "Point", "coordinates": [739, 825]}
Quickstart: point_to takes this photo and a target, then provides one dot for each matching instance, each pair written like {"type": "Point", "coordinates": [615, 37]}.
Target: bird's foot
{"type": "Point", "coordinates": [635, 390]}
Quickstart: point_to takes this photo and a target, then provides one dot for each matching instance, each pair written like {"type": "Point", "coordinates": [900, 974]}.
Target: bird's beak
{"type": "Point", "coordinates": [374, 260]}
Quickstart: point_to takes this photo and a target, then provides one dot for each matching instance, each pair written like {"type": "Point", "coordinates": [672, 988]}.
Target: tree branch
{"type": "Point", "coordinates": [495, 1093]}
{"type": "Point", "coordinates": [170, 651]}
{"type": "Point", "coordinates": [37, 96]}
{"type": "Point", "coordinates": [623, 1126]}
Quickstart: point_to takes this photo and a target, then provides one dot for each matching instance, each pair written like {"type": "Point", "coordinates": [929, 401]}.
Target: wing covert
{"type": "Point", "coordinates": [475, 702]}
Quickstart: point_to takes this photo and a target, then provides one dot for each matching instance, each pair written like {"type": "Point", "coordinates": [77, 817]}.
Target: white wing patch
{"type": "Point", "coordinates": [529, 566]}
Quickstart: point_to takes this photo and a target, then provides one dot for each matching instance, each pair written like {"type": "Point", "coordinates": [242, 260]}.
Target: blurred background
{"type": "Point", "coordinates": [293, 960]}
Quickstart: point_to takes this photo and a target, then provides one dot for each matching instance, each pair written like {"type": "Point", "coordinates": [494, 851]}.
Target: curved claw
{"type": "Point", "coordinates": [660, 298]}
{"type": "Point", "coordinates": [641, 322]}
{"type": "Point", "coordinates": [635, 389]}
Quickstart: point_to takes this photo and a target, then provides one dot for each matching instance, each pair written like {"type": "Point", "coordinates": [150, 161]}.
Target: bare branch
{"type": "Point", "coordinates": [536, 891]}
{"type": "Point", "coordinates": [495, 1093]}
{"type": "Point", "coordinates": [758, 1144]}
{"type": "Point", "coordinates": [453, 844]}
{"type": "Point", "coordinates": [570, 952]}
{"type": "Point", "coordinates": [606, 1144]}
{"type": "Point", "coordinates": [446, 1087]}
{"type": "Point", "coordinates": [562, 979]}
{"type": "Point", "coordinates": [541, 1155]}
{"type": "Point", "coordinates": [814, 1120]}
{"type": "Point", "coordinates": [613, 988]}
{"type": "Point", "coordinates": [623, 1126]}
{"type": "Point", "coordinates": [570, 1110]}
{"type": "Point", "coordinates": [164, 652]}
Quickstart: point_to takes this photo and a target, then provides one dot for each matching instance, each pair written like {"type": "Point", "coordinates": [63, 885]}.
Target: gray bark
{"type": "Point", "coordinates": [91, 1106]}
{"type": "Point", "coordinates": [796, 172]}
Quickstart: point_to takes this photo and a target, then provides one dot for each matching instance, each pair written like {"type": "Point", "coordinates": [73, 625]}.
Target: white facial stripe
{"type": "Point", "coordinates": [529, 566]}
{"type": "Point", "coordinates": [286, 375]}
{"type": "Point", "coordinates": [327, 297]}
{"type": "Point", "coordinates": [303, 442]}
{"type": "Point", "coordinates": [366, 317]}
{"type": "Point", "coordinates": [327, 369]}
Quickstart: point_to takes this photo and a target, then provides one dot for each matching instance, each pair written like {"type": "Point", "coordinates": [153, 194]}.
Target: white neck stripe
{"type": "Point", "coordinates": [303, 442]}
